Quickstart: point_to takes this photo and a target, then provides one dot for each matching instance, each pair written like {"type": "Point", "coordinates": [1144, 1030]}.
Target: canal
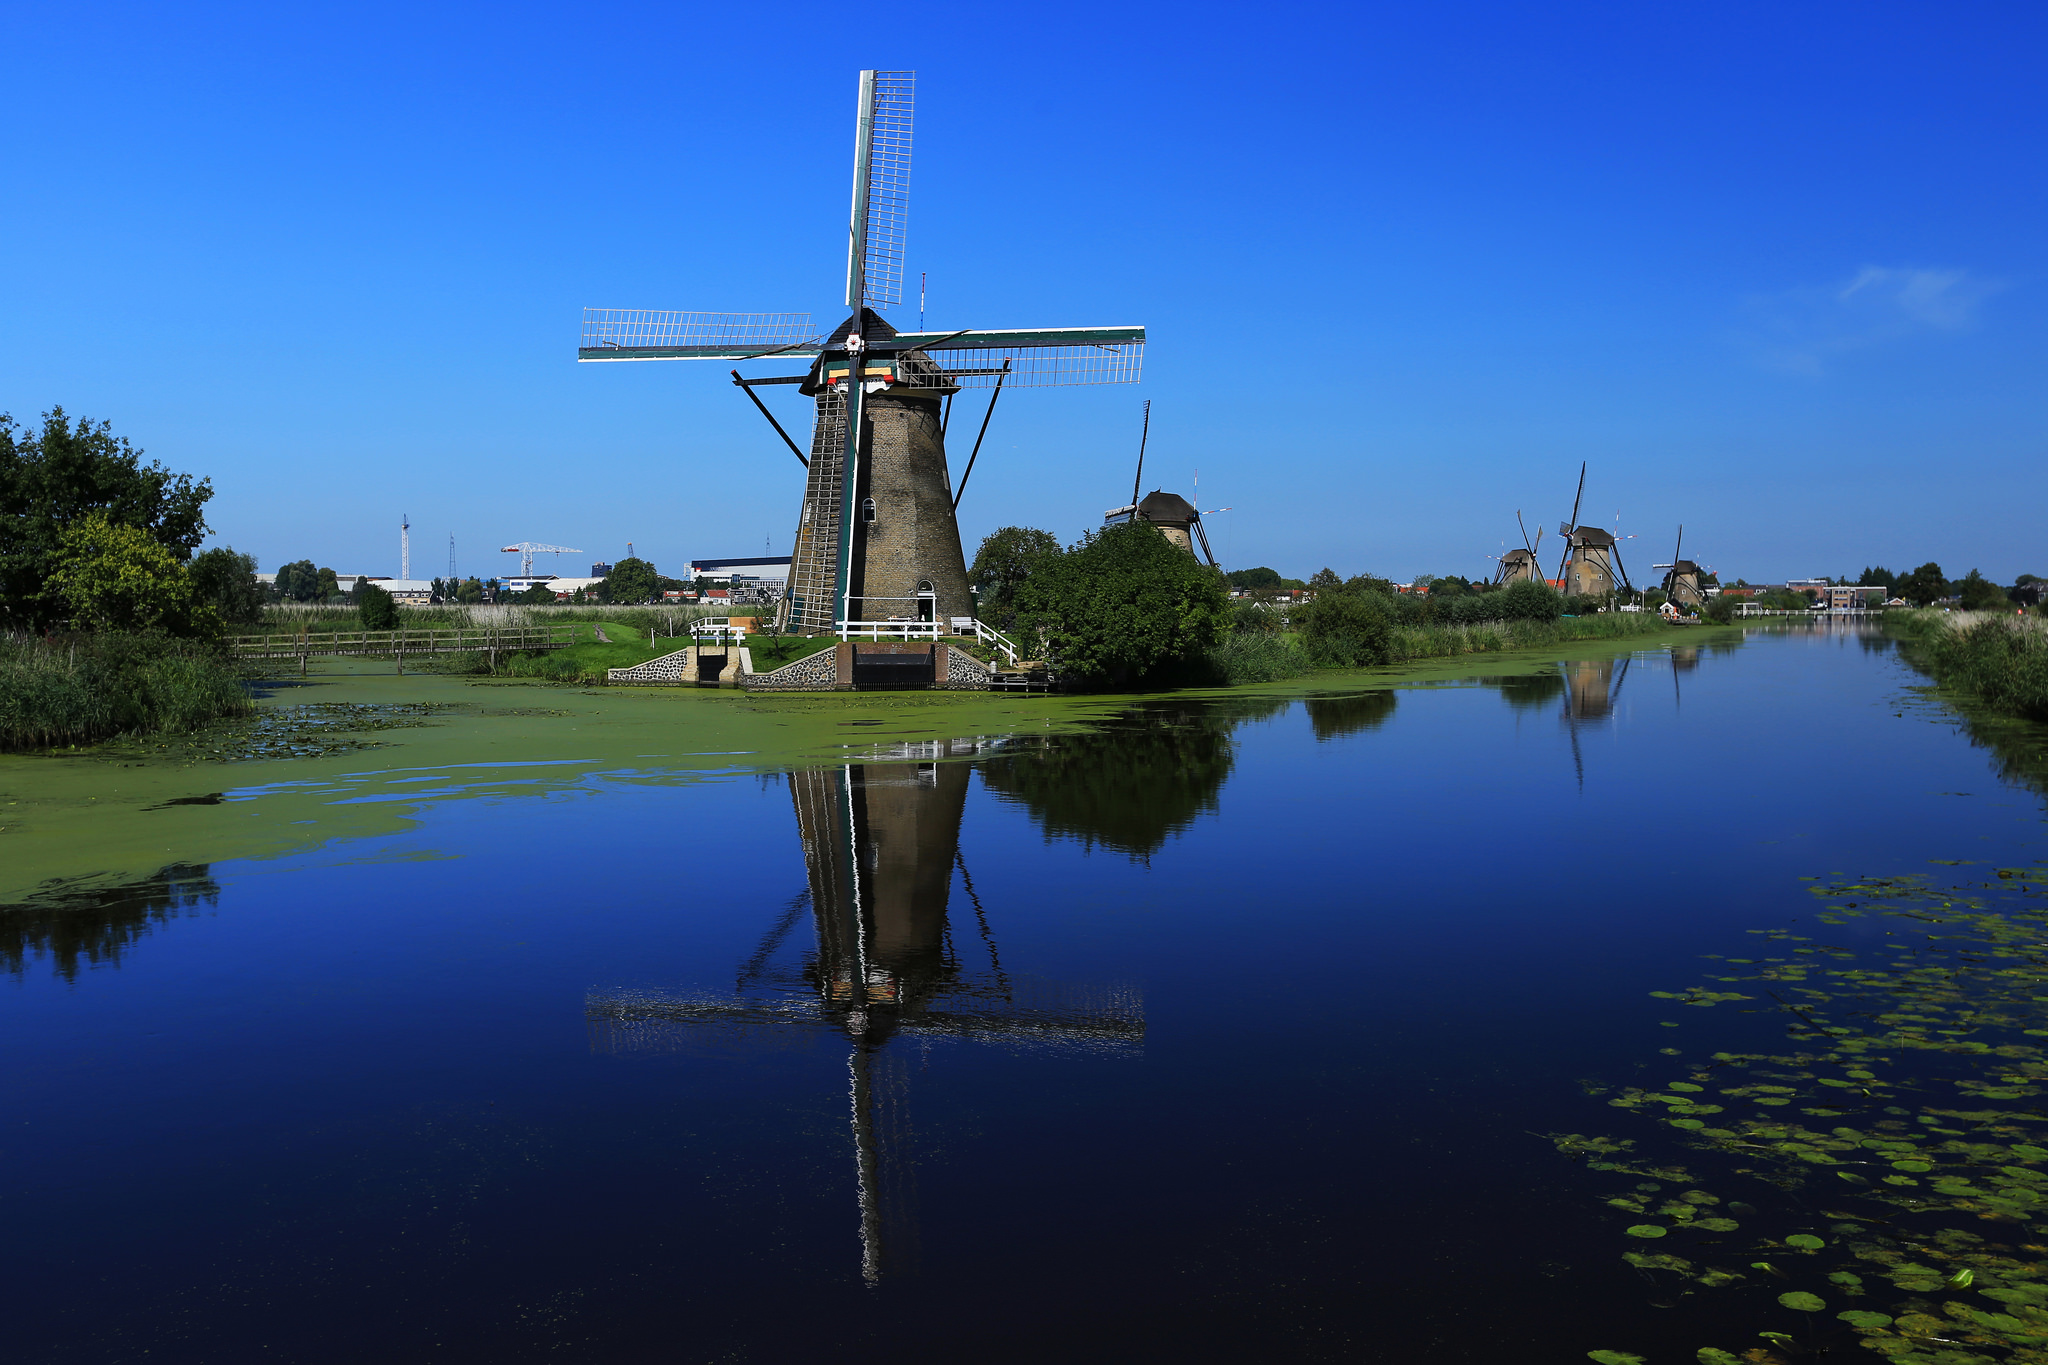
{"type": "Point", "coordinates": [1273, 1025]}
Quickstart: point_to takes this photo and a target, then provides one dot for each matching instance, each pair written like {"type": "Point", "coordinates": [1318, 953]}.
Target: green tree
{"type": "Point", "coordinates": [55, 477]}
{"type": "Point", "coordinates": [327, 586]}
{"type": "Point", "coordinates": [631, 580]}
{"type": "Point", "coordinates": [226, 582]}
{"type": "Point", "coordinates": [1924, 585]}
{"type": "Point", "coordinates": [1124, 605]}
{"type": "Point", "coordinates": [1347, 629]}
{"type": "Point", "coordinates": [539, 593]}
{"type": "Point", "coordinates": [298, 581]}
{"type": "Point", "coordinates": [469, 592]}
{"type": "Point", "coordinates": [1261, 577]}
{"type": "Point", "coordinates": [114, 576]}
{"type": "Point", "coordinates": [1007, 558]}
{"type": "Point", "coordinates": [1325, 578]}
{"type": "Point", "coordinates": [1979, 593]}
{"type": "Point", "coordinates": [379, 611]}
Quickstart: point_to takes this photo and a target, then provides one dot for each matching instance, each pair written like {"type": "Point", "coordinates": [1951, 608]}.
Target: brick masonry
{"type": "Point", "coordinates": [914, 538]}
{"type": "Point", "coordinates": [681, 667]}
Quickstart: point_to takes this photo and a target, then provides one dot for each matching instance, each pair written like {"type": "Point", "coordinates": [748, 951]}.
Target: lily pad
{"type": "Point", "coordinates": [1857, 1317]}
{"type": "Point", "coordinates": [1912, 1166]}
{"type": "Point", "coordinates": [1716, 1224]}
{"type": "Point", "coordinates": [1799, 1301]}
{"type": "Point", "coordinates": [1645, 1230]}
{"type": "Point", "coordinates": [1805, 1241]}
{"type": "Point", "coordinates": [1709, 1356]}
{"type": "Point", "coordinates": [1614, 1358]}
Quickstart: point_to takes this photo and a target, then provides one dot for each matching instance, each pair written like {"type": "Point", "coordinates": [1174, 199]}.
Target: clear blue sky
{"type": "Point", "coordinates": [1774, 271]}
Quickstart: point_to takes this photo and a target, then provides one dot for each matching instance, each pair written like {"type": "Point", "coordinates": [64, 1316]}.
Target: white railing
{"type": "Point", "coordinates": [926, 630]}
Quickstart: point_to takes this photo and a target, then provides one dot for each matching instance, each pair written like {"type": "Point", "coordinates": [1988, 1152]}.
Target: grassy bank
{"type": "Point", "coordinates": [2000, 661]}
{"type": "Point", "coordinates": [55, 692]}
{"type": "Point", "coordinates": [1256, 658]}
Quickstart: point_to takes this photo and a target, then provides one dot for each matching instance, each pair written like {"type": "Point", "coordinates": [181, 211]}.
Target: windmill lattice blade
{"type": "Point", "coordinates": [1044, 367]}
{"type": "Point", "coordinates": [721, 335]}
{"type": "Point", "coordinates": [888, 199]}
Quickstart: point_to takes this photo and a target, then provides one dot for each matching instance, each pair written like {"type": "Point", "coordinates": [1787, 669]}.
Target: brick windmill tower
{"type": "Point", "coordinates": [876, 539]}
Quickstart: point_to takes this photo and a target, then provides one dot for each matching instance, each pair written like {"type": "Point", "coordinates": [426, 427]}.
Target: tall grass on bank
{"type": "Point", "coordinates": [2000, 660]}
{"type": "Point", "coordinates": [1257, 658]}
{"type": "Point", "coordinates": [289, 618]}
{"type": "Point", "coordinates": [94, 687]}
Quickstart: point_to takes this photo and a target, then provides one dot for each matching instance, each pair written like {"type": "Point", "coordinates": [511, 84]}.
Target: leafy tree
{"type": "Point", "coordinates": [226, 582]}
{"type": "Point", "coordinates": [298, 581]}
{"type": "Point", "coordinates": [1878, 577]}
{"type": "Point", "coordinates": [469, 592]}
{"type": "Point", "coordinates": [537, 594]}
{"type": "Point", "coordinates": [1365, 582]}
{"type": "Point", "coordinates": [1261, 577]}
{"type": "Point", "coordinates": [54, 478]}
{"type": "Point", "coordinates": [114, 576]}
{"type": "Point", "coordinates": [1525, 599]}
{"type": "Point", "coordinates": [326, 587]}
{"type": "Point", "coordinates": [379, 611]}
{"type": "Point", "coordinates": [1007, 558]}
{"type": "Point", "coordinates": [1924, 585]}
{"type": "Point", "coordinates": [1347, 629]}
{"type": "Point", "coordinates": [1980, 593]}
{"type": "Point", "coordinates": [631, 580]}
{"type": "Point", "coordinates": [1325, 578]}
{"type": "Point", "coordinates": [1123, 605]}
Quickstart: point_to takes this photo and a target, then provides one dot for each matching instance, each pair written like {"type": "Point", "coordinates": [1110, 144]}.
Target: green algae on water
{"type": "Point", "coordinates": [1905, 1127]}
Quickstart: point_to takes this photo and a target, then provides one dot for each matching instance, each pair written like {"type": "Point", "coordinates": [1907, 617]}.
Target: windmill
{"type": "Point", "coordinates": [1591, 566]}
{"type": "Point", "coordinates": [1179, 520]}
{"type": "Point", "coordinates": [881, 846]}
{"type": "Point", "coordinates": [1682, 582]}
{"type": "Point", "coordinates": [1517, 565]}
{"type": "Point", "coordinates": [876, 538]}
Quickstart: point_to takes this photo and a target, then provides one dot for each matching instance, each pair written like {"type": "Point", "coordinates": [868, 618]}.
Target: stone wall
{"type": "Point", "coordinates": [963, 670]}
{"type": "Point", "coordinates": [816, 673]}
{"type": "Point", "coordinates": [680, 668]}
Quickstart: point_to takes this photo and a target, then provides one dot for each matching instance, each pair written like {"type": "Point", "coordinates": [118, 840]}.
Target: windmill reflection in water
{"type": "Point", "coordinates": [881, 849]}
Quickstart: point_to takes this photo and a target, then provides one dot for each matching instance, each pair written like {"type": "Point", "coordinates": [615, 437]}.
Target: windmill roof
{"type": "Point", "coordinates": [872, 328]}
{"type": "Point", "coordinates": [1158, 506]}
{"type": "Point", "coordinates": [1592, 536]}
{"type": "Point", "coordinates": [1685, 566]}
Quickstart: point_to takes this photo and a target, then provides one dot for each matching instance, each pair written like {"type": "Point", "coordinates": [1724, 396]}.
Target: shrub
{"type": "Point", "coordinates": [376, 607]}
{"type": "Point", "coordinates": [1124, 606]}
{"type": "Point", "coordinates": [1526, 600]}
{"type": "Point", "coordinates": [98, 686]}
{"type": "Point", "coordinates": [1347, 629]}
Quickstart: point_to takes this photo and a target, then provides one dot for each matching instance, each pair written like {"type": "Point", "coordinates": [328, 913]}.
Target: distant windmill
{"type": "Point", "coordinates": [1517, 565]}
{"type": "Point", "coordinates": [1682, 582]}
{"type": "Point", "coordinates": [876, 538]}
{"type": "Point", "coordinates": [1179, 520]}
{"type": "Point", "coordinates": [1591, 566]}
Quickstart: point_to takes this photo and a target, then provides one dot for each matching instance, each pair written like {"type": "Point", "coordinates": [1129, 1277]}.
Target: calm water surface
{"type": "Point", "coordinates": [1229, 1031]}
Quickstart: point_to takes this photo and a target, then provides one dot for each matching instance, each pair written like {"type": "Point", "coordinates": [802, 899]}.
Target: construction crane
{"type": "Point", "coordinates": [526, 550]}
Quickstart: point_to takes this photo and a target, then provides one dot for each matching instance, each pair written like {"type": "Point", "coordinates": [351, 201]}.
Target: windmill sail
{"type": "Point", "coordinates": [881, 190]}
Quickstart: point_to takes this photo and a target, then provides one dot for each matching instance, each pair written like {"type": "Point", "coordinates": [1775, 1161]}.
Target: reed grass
{"type": "Point", "coordinates": [2000, 660]}
{"type": "Point", "coordinates": [80, 691]}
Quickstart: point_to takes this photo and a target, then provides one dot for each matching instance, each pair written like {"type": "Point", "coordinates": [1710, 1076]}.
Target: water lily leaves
{"type": "Point", "coordinates": [1857, 1317]}
{"type": "Point", "coordinates": [1644, 1230]}
{"type": "Point", "coordinates": [1614, 1358]}
{"type": "Point", "coordinates": [1685, 1086]}
{"type": "Point", "coordinates": [1769, 1269]}
{"type": "Point", "coordinates": [1740, 1209]}
{"type": "Point", "coordinates": [1688, 1123]}
{"type": "Point", "coordinates": [1805, 1241]}
{"type": "Point", "coordinates": [1912, 1166]}
{"type": "Point", "coordinates": [1716, 1224]}
{"type": "Point", "coordinates": [2030, 1153]}
{"type": "Point", "coordinates": [1799, 1301]}
{"type": "Point", "coordinates": [1707, 1355]}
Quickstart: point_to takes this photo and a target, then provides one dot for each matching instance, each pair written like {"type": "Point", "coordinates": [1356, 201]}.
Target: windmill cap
{"type": "Point", "coordinates": [1169, 507]}
{"type": "Point", "coordinates": [1592, 536]}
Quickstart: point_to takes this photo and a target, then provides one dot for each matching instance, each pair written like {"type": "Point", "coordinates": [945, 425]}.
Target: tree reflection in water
{"type": "Point", "coordinates": [881, 854]}
{"type": "Point", "coordinates": [1335, 717]}
{"type": "Point", "coordinates": [94, 924]}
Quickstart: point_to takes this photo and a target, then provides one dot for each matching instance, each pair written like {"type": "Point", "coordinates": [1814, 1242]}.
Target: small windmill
{"type": "Point", "coordinates": [1591, 566]}
{"type": "Point", "coordinates": [1517, 565]}
{"type": "Point", "coordinates": [1682, 582]}
{"type": "Point", "coordinates": [876, 538]}
{"type": "Point", "coordinates": [1179, 520]}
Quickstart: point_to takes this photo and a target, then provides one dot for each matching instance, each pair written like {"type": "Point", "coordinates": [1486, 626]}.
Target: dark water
{"type": "Point", "coordinates": [1230, 1031]}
